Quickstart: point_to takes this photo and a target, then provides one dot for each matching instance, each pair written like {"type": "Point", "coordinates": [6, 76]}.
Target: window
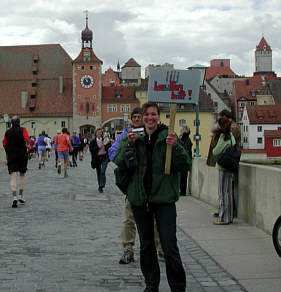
{"type": "Point", "coordinates": [252, 103]}
{"type": "Point", "coordinates": [125, 108]}
{"type": "Point", "coordinates": [276, 142]}
{"type": "Point", "coordinates": [92, 67]}
{"type": "Point", "coordinates": [167, 116]}
{"type": "Point", "coordinates": [182, 122]}
{"type": "Point", "coordinates": [80, 67]}
{"type": "Point", "coordinates": [32, 96]}
{"type": "Point", "coordinates": [33, 125]}
{"type": "Point", "coordinates": [111, 108]}
{"type": "Point", "coordinates": [63, 124]}
{"type": "Point", "coordinates": [33, 84]}
{"type": "Point", "coordinates": [259, 140]}
{"type": "Point", "coordinates": [259, 128]}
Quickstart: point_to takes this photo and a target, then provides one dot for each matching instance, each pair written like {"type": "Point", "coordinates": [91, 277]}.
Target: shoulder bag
{"type": "Point", "coordinates": [229, 159]}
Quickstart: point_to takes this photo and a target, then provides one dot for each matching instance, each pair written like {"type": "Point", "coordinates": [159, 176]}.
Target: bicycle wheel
{"type": "Point", "coordinates": [276, 235]}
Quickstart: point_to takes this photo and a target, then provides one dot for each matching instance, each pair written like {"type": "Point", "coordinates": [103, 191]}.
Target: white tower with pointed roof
{"type": "Point", "coordinates": [263, 57]}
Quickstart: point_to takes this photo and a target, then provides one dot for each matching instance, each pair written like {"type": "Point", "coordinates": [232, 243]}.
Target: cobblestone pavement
{"type": "Point", "coordinates": [66, 238]}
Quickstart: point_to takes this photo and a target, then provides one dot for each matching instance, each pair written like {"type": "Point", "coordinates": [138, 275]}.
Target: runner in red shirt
{"type": "Point", "coordinates": [64, 145]}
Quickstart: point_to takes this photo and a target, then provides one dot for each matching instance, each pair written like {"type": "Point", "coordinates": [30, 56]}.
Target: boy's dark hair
{"type": "Point", "coordinates": [64, 130]}
{"type": "Point", "coordinates": [136, 110]}
{"type": "Point", "coordinates": [226, 113]}
{"type": "Point", "coordinates": [149, 104]}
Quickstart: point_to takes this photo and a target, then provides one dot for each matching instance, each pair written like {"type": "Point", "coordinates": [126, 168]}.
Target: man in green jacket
{"type": "Point", "coordinates": [152, 193]}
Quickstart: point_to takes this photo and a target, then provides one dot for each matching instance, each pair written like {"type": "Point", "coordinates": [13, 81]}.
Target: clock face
{"type": "Point", "coordinates": [87, 81]}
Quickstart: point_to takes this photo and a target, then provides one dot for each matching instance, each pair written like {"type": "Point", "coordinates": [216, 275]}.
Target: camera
{"type": "Point", "coordinates": [139, 132]}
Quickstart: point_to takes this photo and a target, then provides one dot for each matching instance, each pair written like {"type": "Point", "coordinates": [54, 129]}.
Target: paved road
{"type": "Point", "coordinates": [66, 238]}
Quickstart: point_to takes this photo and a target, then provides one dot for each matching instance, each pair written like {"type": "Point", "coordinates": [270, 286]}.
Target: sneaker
{"type": "Point", "coordinates": [15, 203]}
{"type": "Point", "coordinates": [22, 200]}
{"type": "Point", "coordinates": [216, 215]}
{"type": "Point", "coordinates": [39, 166]}
{"type": "Point", "coordinates": [59, 169]}
{"type": "Point", "coordinates": [127, 257]}
{"type": "Point", "coordinates": [100, 190]}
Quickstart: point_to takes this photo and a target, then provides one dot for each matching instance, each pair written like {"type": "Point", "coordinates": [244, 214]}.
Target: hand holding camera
{"type": "Point", "coordinates": [133, 134]}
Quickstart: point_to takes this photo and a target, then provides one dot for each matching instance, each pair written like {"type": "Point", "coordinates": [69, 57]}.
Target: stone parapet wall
{"type": "Point", "coordinates": [259, 191]}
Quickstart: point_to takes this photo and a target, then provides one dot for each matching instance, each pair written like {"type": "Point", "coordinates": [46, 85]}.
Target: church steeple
{"type": "Point", "coordinates": [118, 66]}
{"type": "Point", "coordinates": [87, 34]}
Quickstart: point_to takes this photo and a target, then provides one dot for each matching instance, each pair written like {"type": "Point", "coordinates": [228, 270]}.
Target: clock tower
{"type": "Point", "coordinates": [87, 73]}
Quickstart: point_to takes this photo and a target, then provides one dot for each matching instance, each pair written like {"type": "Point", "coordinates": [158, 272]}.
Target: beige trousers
{"type": "Point", "coordinates": [128, 234]}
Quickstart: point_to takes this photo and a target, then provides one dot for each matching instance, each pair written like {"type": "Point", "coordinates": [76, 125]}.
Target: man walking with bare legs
{"type": "Point", "coordinates": [15, 142]}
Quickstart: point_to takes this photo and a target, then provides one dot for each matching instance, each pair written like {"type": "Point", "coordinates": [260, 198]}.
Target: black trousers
{"type": "Point", "coordinates": [74, 155]}
{"type": "Point", "coordinates": [183, 182]}
{"type": "Point", "coordinates": [165, 216]}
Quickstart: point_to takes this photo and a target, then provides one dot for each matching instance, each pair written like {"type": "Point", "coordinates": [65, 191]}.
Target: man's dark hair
{"type": "Point", "coordinates": [148, 105]}
{"type": "Point", "coordinates": [136, 110]}
{"type": "Point", "coordinates": [64, 130]}
{"type": "Point", "coordinates": [15, 121]}
{"type": "Point", "coordinates": [226, 113]}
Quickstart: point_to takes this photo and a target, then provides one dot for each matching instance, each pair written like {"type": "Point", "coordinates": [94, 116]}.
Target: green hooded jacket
{"type": "Point", "coordinates": [165, 188]}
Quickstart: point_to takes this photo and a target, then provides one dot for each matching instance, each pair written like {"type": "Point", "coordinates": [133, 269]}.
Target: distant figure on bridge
{"type": "Point", "coordinates": [99, 158]}
{"type": "Point", "coordinates": [16, 142]}
{"type": "Point", "coordinates": [42, 143]}
{"type": "Point", "coordinates": [153, 194]}
{"type": "Point", "coordinates": [187, 144]}
{"type": "Point", "coordinates": [64, 146]}
{"type": "Point", "coordinates": [75, 144]}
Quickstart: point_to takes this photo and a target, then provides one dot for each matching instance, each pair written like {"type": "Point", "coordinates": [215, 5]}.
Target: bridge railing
{"type": "Point", "coordinates": [259, 191]}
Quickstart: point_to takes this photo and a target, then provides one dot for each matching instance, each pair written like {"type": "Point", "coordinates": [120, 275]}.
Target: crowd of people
{"type": "Point", "coordinates": [139, 153]}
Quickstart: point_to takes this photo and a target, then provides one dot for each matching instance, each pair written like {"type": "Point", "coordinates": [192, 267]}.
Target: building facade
{"type": "Point", "coordinates": [255, 121]}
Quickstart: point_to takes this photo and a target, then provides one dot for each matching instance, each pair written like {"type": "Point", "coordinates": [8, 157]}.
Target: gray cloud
{"type": "Point", "coordinates": [183, 32]}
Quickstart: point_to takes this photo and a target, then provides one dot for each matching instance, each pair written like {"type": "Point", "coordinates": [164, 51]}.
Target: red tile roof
{"type": "Point", "coordinates": [263, 44]}
{"type": "Point", "coordinates": [125, 93]}
{"type": "Point", "coordinates": [265, 114]}
{"type": "Point", "coordinates": [214, 70]}
{"type": "Point", "coordinates": [272, 133]}
{"type": "Point", "coordinates": [16, 76]}
{"type": "Point", "coordinates": [256, 83]}
{"type": "Point", "coordinates": [131, 63]}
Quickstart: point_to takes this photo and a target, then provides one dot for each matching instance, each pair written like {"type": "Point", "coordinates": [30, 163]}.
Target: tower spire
{"type": "Point", "coordinates": [86, 12]}
{"type": "Point", "coordinates": [87, 34]}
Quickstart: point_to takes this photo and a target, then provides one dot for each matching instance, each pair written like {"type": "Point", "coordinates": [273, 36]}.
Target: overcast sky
{"type": "Point", "coordinates": [181, 32]}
